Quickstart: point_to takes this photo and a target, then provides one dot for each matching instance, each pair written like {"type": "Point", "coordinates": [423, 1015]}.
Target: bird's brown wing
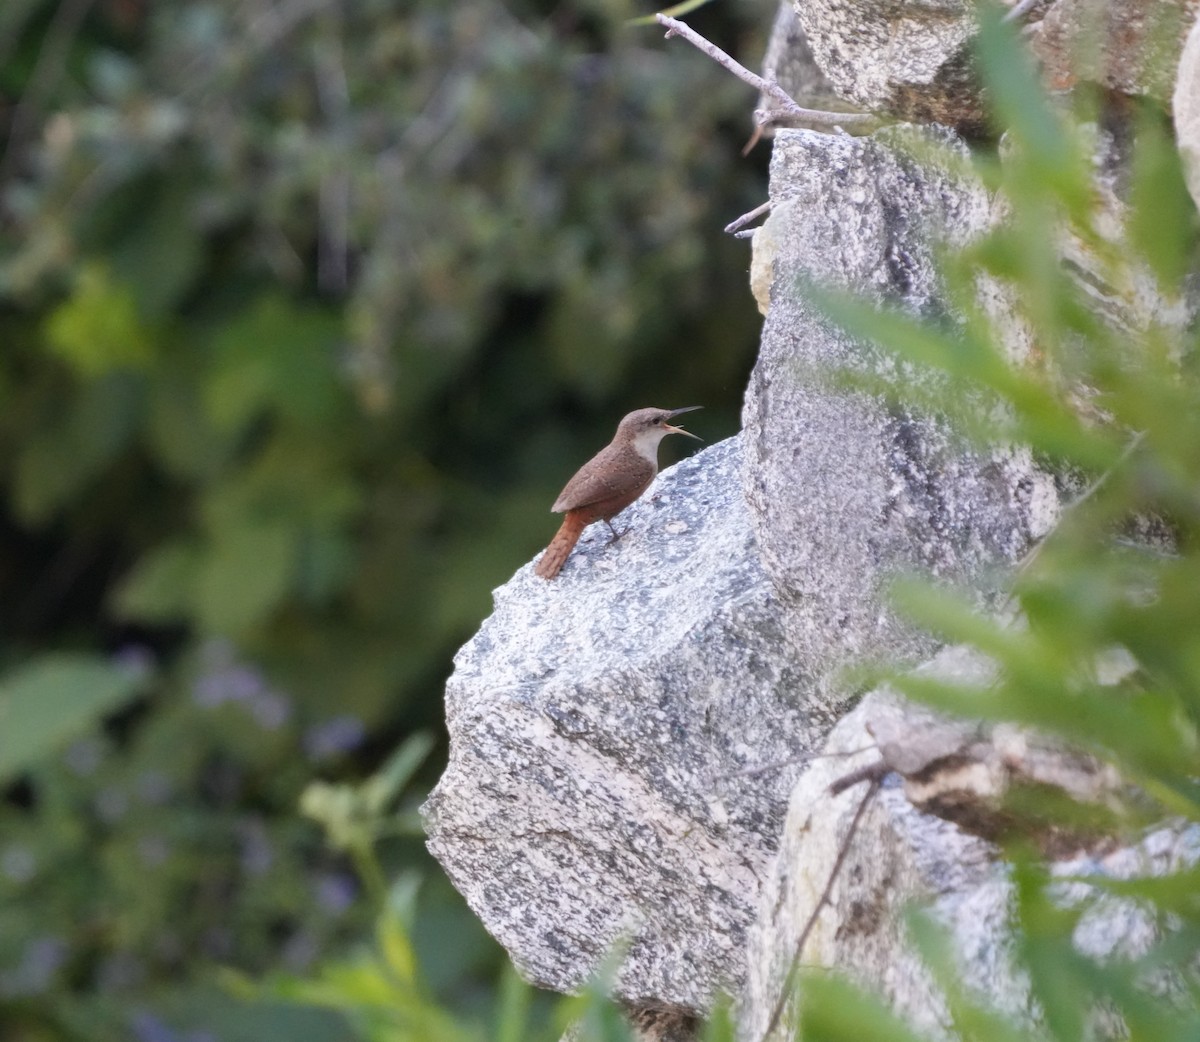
{"type": "Point", "coordinates": [606, 476]}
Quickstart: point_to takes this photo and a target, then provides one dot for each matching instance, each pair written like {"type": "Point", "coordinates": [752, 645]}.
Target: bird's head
{"type": "Point", "coordinates": [645, 428]}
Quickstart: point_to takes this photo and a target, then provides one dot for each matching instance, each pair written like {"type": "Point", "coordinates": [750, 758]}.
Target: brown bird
{"type": "Point", "coordinates": [610, 481]}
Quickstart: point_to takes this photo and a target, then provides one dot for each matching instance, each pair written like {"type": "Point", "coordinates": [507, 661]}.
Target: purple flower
{"type": "Point", "coordinates": [339, 734]}
{"type": "Point", "coordinates": [271, 709]}
{"type": "Point", "coordinates": [83, 756]}
{"type": "Point", "coordinates": [135, 660]}
{"type": "Point", "coordinates": [149, 1028]}
{"type": "Point", "coordinates": [208, 690]}
{"type": "Point", "coordinates": [243, 684]}
{"type": "Point", "coordinates": [230, 683]}
{"type": "Point", "coordinates": [336, 892]}
{"type": "Point", "coordinates": [257, 854]}
{"type": "Point", "coordinates": [222, 679]}
{"type": "Point", "coordinates": [40, 962]}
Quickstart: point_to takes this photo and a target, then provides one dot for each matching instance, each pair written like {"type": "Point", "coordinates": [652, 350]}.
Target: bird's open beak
{"type": "Point", "coordinates": [678, 412]}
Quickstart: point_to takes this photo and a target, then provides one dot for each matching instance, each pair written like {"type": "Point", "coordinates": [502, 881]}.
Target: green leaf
{"type": "Point", "coordinates": [972, 1020]}
{"type": "Point", "coordinates": [833, 1010]}
{"type": "Point", "coordinates": [160, 251]}
{"type": "Point", "coordinates": [1062, 980]}
{"type": "Point", "coordinates": [56, 698]}
{"type": "Point", "coordinates": [397, 950]}
{"type": "Point", "coordinates": [721, 1025]}
{"type": "Point", "coordinates": [972, 365]}
{"type": "Point", "coordinates": [1158, 196]}
{"type": "Point", "coordinates": [592, 1015]}
{"type": "Point", "coordinates": [97, 328]}
{"type": "Point", "coordinates": [386, 784]}
{"type": "Point", "coordinates": [1047, 159]}
{"type": "Point", "coordinates": [162, 586]}
{"type": "Point", "coordinates": [512, 1008]}
{"type": "Point", "coordinates": [184, 440]}
{"type": "Point", "coordinates": [75, 445]}
{"type": "Point", "coordinates": [277, 357]}
{"type": "Point", "coordinates": [674, 11]}
{"type": "Point", "coordinates": [244, 575]}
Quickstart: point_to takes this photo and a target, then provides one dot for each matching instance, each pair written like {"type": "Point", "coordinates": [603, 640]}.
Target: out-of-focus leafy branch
{"type": "Point", "coordinates": [1106, 391]}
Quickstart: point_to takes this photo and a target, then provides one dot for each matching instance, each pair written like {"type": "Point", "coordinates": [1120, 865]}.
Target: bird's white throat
{"type": "Point", "coordinates": [645, 444]}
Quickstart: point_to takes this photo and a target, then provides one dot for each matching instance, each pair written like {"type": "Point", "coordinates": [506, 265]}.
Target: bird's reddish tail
{"type": "Point", "coordinates": [561, 545]}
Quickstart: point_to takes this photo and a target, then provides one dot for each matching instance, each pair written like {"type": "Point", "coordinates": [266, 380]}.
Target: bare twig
{"type": "Point", "coordinates": [872, 772]}
{"type": "Point", "coordinates": [778, 765]}
{"type": "Point", "coordinates": [1019, 9]}
{"type": "Point", "coordinates": [786, 991]}
{"type": "Point", "coordinates": [783, 118]}
{"type": "Point", "coordinates": [746, 218]}
{"type": "Point", "coordinates": [788, 106]}
{"type": "Point", "coordinates": [755, 138]}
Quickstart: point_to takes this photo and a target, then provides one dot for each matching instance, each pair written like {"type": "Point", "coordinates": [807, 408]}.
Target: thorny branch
{"type": "Point", "coordinates": [785, 990]}
{"type": "Point", "coordinates": [805, 758]}
{"type": "Point", "coordinates": [788, 107]}
{"type": "Point", "coordinates": [733, 227]}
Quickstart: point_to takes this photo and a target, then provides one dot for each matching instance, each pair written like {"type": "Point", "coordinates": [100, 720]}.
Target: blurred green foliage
{"type": "Point", "coordinates": [1100, 643]}
{"type": "Point", "coordinates": [307, 310]}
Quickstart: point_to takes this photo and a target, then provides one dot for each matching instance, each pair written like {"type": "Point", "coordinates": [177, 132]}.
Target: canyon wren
{"type": "Point", "coordinates": [610, 481]}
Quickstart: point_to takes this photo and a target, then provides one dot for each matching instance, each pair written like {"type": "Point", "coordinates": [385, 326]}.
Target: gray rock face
{"type": "Point", "coordinates": [1129, 46]}
{"type": "Point", "coordinates": [844, 492]}
{"type": "Point", "coordinates": [899, 854]}
{"type": "Point", "coordinates": [1187, 110]}
{"type": "Point", "coordinates": [905, 59]}
{"type": "Point", "coordinates": [789, 62]}
{"type": "Point", "coordinates": [913, 60]}
{"type": "Point", "coordinates": [598, 723]}
{"type": "Point", "coordinates": [605, 726]}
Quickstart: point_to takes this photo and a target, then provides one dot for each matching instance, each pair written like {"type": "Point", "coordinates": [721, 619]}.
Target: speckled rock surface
{"type": "Point", "coordinates": [899, 855]}
{"type": "Point", "coordinates": [845, 492]}
{"type": "Point", "coordinates": [598, 723]}
{"type": "Point", "coordinates": [908, 60]}
{"type": "Point", "coordinates": [1130, 46]}
{"type": "Point", "coordinates": [789, 62]}
{"type": "Point", "coordinates": [1187, 110]}
{"type": "Point", "coordinates": [913, 61]}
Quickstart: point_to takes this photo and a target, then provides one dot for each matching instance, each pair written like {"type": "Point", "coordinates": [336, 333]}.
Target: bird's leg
{"type": "Point", "coordinates": [615, 534]}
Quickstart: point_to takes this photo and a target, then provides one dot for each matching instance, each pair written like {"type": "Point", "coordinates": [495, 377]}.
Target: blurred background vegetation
{"type": "Point", "coordinates": [307, 310]}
